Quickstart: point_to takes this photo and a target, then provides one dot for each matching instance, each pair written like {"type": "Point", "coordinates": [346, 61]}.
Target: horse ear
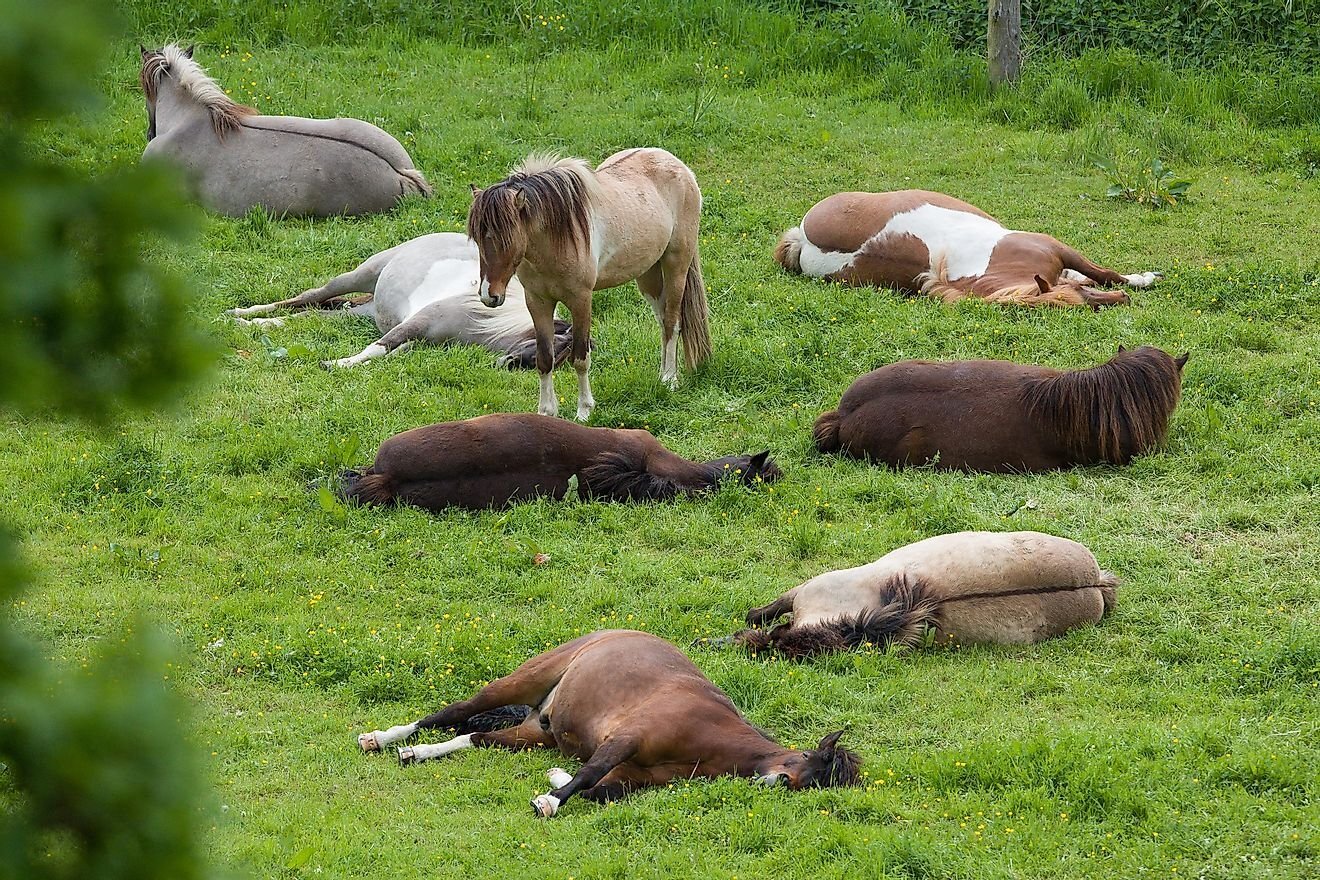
{"type": "Point", "coordinates": [1181, 360]}
{"type": "Point", "coordinates": [828, 743]}
{"type": "Point", "coordinates": [192, 47]}
{"type": "Point", "coordinates": [143, 49]}
{"type": "Point", "coordinates": [1122, 348]}
{"type": "Point", "coordinates": [758, 461]}
{"type": "Point", "coordinates": [1042, 284]}
{"type": "Point", "coordinates": [520, 200]}
{"type": "Point", "coordinates": [476, 190]}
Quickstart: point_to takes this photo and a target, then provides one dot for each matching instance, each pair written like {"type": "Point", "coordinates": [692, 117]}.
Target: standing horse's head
{"type": "Point", "coordinates": [747, 469]}
{"type": "Point", "coordinates": [825, 766]}
{"type": "Point", "coordinates": [496, 223]}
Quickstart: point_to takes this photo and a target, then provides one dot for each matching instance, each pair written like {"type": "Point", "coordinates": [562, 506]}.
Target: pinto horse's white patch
{"type": "Point", "coordinates": [964, 241]}
{"type": "Point", "coordinates": [817, 263]}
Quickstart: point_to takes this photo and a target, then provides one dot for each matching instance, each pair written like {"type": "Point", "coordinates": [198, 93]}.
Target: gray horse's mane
{"type": "Point", "coordinates": [170, 60]}
{"type": "Point", "coordinates": [552, 192]}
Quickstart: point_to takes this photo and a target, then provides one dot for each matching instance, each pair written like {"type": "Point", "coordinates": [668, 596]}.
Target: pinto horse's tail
{"type": "Point", "coordinates": [1108, 590]}
{"type": "Point", "coordinates": [696, 317]}
{"type": "Point", "coordinates": [901, 619]}
{"type": "Point", "coordinates": [365, 488]}
{"type": "Point", "coordinates": [413, 182]}
{"type": "Point", "coordinates": [788, 253]}
{"type": "Point", "coordinates": [826, 432]}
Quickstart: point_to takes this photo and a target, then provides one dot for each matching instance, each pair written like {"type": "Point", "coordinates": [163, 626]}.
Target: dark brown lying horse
{"type": "Point", "coordinates": [917, 241]}
{"type": "Point", "coordinates": [1000, 416]}
{"type": "Point", "coordinates": [495, 460]}
{"type": "Point", "coordinates": [1013, 588]}
{"type": "Point", "coordinates": [636, 710]}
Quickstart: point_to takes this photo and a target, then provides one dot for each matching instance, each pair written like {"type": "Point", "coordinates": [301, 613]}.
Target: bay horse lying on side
{"type": "Point", "coordinates": [566, 231]}
{"type": "Point", "coordinates": [915, 241]}
{"type": "Point", "coordinates": [235, 159]}
{"type": "Point", "coordinates": [498, 459]}
{"type": "Point", "coordinates": [421, 291]}
{"type": "Point", "coordinates": [1000, 416]}
{"type": "Point", "coordinates": [637, 711]}
{"type": "Point", "coordinates": [1011, 588]}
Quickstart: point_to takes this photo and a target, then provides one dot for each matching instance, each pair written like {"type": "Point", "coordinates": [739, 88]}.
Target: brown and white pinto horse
{"type": "Point", "coordinates": [637, 711]}
{"type": "Point", "coordinates": [1010, 588]}
{"type": "Point", "coordinates": [1000, 416]}
{"type": "Point", "coordinates": [498, 459]}
{"type": "Point", "coordinates": [566, 231]}
{"type": "Point", "coordinates": [916, 241]}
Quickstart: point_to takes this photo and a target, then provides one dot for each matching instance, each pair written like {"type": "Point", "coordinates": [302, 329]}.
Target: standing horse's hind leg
{"type": "Point", "coordinates": [674, 266]}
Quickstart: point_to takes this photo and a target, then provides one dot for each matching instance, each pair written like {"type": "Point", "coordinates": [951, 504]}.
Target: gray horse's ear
{"type": "Point", "coordinates": [1042, 284]}
{"type": "Point", "coordinates": [1122, 348]}
{"type": "Point", "coordinates": [192, 47]}
{"type": "Point", "coordinates": [1181, 360]}
{"type": "Point", "coordinates": [828, 743]}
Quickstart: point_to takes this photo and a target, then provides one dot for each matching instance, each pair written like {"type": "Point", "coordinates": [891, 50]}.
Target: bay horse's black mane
{"type": "Point", "coordinates": [1110, 412]}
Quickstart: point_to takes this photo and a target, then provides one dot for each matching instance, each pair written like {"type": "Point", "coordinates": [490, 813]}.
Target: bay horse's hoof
{"type": "Point", "coordinates": [545, 806]}
{"type": "Point", "coordinates": [367, 742]}
{"type": "Point", "coordinates": [407, 756]}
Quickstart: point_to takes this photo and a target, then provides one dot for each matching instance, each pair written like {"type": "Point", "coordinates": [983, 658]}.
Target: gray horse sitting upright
{"type": "Point", "coordinates": [235, 159]}
{"type": "Point", "coordinates": [422, 290]}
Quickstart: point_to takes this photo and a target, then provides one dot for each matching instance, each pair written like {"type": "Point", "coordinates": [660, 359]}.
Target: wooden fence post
{"type": "Point", "coordinates": [1004, 41]}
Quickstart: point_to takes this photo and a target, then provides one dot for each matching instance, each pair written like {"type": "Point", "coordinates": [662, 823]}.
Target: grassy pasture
{"type": "Point", "coordinates": [1180, 738]}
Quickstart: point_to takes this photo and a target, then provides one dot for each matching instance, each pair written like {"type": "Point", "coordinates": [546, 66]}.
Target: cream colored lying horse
{"type": "Point", "coordinates": [235, 159]}
{"type": "Point", "coordinates": [1013, 588]}
{"type": "Point", "coordinates": [421, 291]}
{"type": "Point", "coordinates": [926, 242]}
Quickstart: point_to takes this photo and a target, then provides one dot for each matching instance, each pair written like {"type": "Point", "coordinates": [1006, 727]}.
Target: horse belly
{"type": "Point", "coordinates": [1018, 620]}
{"type": "Point", "coordinates": [482, 492]}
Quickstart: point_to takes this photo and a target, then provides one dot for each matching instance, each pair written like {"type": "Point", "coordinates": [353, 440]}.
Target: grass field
{"type": "Point", "coordinates": [1178, 739]}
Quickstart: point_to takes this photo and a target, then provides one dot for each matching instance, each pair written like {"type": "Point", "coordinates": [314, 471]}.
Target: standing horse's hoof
{"type": "Point", "coordinates": [407, 756]}
{"type": "Point", "coordinates": [545, 806]}
{"type": "Point", "coordinates": [367, 742]}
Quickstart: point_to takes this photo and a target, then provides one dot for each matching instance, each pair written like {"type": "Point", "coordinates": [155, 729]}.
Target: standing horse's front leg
{"type": "Point", "coordinates": [582, 355]}
{"type": "Point", "coordinates": [542, 310]}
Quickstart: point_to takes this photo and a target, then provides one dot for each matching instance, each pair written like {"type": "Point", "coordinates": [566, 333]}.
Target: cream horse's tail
{"type": "Point", "coordinates": [696, 317]}
{"type": "Point", "coordinates": [413, 182]}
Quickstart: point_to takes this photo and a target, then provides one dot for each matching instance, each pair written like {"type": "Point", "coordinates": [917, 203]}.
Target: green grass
{"type": "Point", "coordinates": [1177, 739]}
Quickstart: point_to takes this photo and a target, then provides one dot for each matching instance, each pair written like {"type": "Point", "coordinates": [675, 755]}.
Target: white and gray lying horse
{"type": "Point", "coordinates": [1009, 588]}
{"type": "Point", "coordinates": [424, 289]}
{"type": "Point", "coordinates": [235, 159]}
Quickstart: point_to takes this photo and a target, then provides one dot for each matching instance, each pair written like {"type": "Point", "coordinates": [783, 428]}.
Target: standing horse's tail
{"type": "Point", "coordinates": [907, 609]}
{"type": "Point", "coordinates": [696, 316]}
{"type": "Point", "coordinates": [413, 182]}
{"type": "Point", "coordinates": [788, 253]}
{"type": "Point", "coordinates": [826, 432]}
{"type": "Point", "coordinates": [366, 488]}
{"type": "Point", "coordinates": [1108, 591]}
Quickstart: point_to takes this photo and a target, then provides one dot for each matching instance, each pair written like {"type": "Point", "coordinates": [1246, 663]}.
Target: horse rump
{"type": "Point", "coordinates": [365, 488]}
{"type": "Point", "coordinates": [826, 432]}
{"type": "Point", "coordinates": [788, 252]}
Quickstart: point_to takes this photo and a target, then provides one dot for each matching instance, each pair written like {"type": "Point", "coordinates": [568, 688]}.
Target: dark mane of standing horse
{"type": "Point", "coordinates": [557, 200]}
{"type": "Point", "coordinates": [226, 113]}
{"type": "Point", "coordinates": [1110, 412]}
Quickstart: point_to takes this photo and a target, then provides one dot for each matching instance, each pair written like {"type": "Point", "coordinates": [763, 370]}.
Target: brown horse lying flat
{"type": "Point", "coordinates": [637, 711]}
{"type": "Point", "coordinates": [926, 242]}
{"type": "Point", "coordinates": [498, 459]}
{"type": "Point", "coordinates": [1012, 588]}
{"type": "Point", "coordinates": [1000, 416]}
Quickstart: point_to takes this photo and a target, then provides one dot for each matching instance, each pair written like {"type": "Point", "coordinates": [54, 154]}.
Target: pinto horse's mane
{"type": "Point", "coordinates": [546, 190]}
{"type": "Point", "coordinates": [1110, 412]}
{"type": "Point", "coordinates": [226, 113]}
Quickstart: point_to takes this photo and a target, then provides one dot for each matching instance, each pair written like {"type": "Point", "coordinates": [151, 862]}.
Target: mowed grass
{"type": "Point", "coordinates": [1177, 739]}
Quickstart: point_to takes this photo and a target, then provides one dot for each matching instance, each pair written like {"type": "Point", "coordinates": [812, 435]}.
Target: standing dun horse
{"type": "Point", "coordinates": [421, 291]}
{"type": "Point", "coordinates": [636, 710]}
{"type": "Point", "coordinates": [1010, 588]}
{"type": "Point", "coordinates": [916, 241]}
{"type": "Point", "coordinates": [565, 231]}
{"type": "Point", "coordinates": [236, 160]}
{"type": "Point", "coordinates": [1000, 416]}
{"type": "Point", "coordinates": [503, 458]}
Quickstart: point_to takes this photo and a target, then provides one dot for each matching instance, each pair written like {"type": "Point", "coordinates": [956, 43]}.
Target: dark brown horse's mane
{"type": "Point", "coordinates": [615, 476]}
{"type": "Point", "coordinates": [547, 191]}
{"type": "Point", "coordinates": [843, 768]}
{"type": "Point", "coordinates": [1110, 412]}
{"type": "Point", "coordinates": [901, 619]}
{"type": "Point", "coordinates": [226, 114]}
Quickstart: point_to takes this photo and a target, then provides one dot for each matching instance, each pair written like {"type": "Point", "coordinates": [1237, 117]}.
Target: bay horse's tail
{"type": "Point", "coordinates": [1108, 590]}
{"type": "Point", "coordinates": [788, 253]}
{"type": "Point", "coordinates": [696, 316]}
{"type": "Point", "coordinates": [366, 488]}
{"type": "Point", "coordinates": [413, 182]}
{"type": "Point", "coordinates": [826, 432]}
{"type": "Point", "coordinates": [901, 620]}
